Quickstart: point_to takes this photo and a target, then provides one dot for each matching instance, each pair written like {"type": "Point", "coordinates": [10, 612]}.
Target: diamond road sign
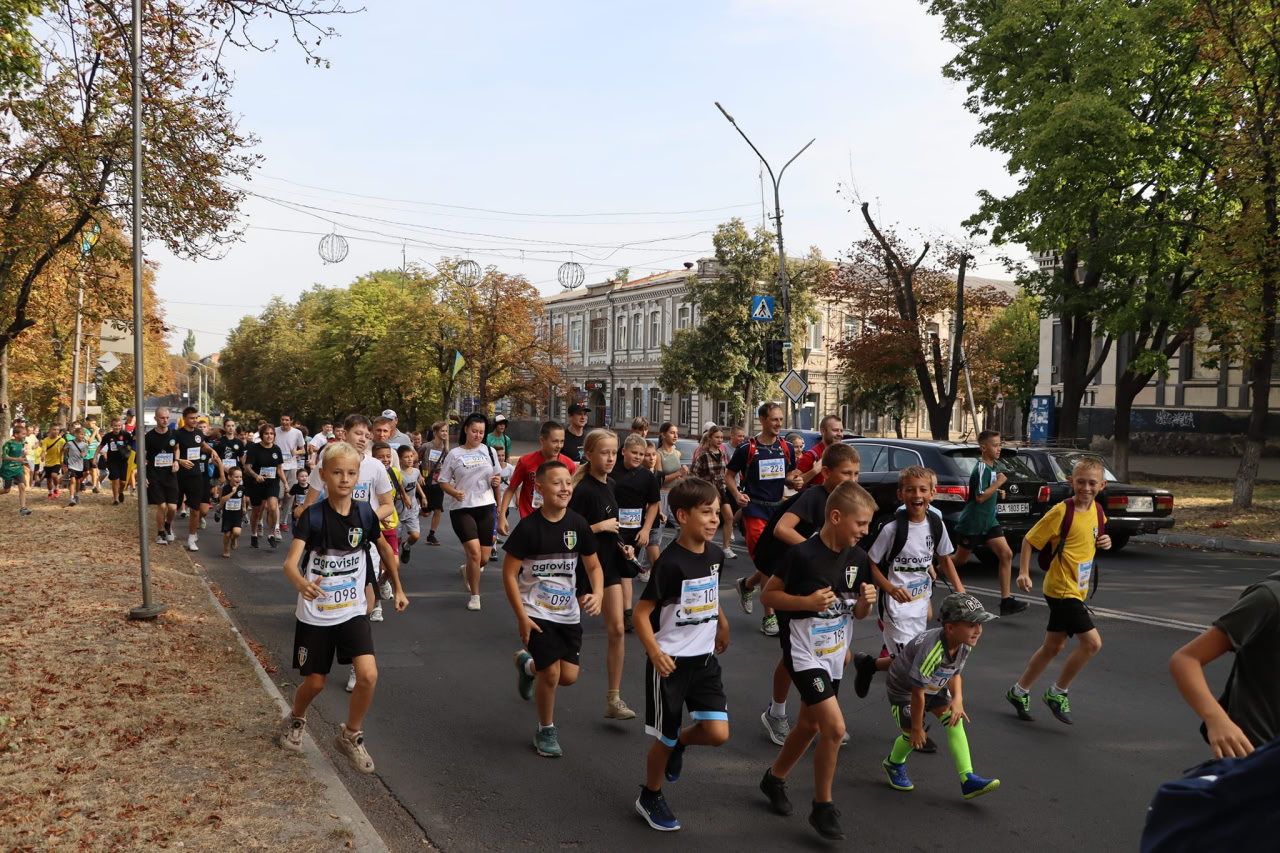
{"type": "Point", "coordinates": [794, 387]}
{"type": "Point", "coordinates": [108, 362]}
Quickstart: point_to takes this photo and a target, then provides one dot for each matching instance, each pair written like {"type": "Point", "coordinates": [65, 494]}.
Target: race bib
{"type": "Point", "coordinates": [773, 469]}
{"type": "Point", "coordinates": [537, 498]}
{"type": "Point", "coordinates": [193, 454]}
{"type": "Point", "coordinates": [474, 460]}
{"type": "Point", "coordinates": [552, 597]}
{"type": "Point", "coordinates": [164, 459]}
{"type": "Point", "coordinates": [1084, 572]}
{"type": "Point", "coordinates": [299, 500]}
{"type": "Point", "coordinates": [361, 492]}
{"type": "Point", "coordinates": [113, 446]}
{"type": "Point", "coordinates": [630, 519]}
{"type": "Point", "coordinates": [433, 456]}
{"type": "Point", "coordinates": [268, 473]}
{"type": "Point", "coordinates": [229, 462]}
{"type": "Point", "coordinates": [699, 601]}
{"type": "Point", "coordinates": [341, 581]}
{"type": "Point", "coordinates": [828, 636]}
{"type": "Point", "coordinates": [233, 504]}
{"type": "Point", "coordinates": [920, 588]}
{"type": "Point", "coordinates": [938, 680]}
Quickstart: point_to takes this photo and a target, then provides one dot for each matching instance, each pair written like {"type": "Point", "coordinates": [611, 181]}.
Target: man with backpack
{"type": "Point", "coordinates": [1068, 538]}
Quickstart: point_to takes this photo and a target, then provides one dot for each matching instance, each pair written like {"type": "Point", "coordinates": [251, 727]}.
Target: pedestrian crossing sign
{"type": "Point", "coordinates": [762, 308]}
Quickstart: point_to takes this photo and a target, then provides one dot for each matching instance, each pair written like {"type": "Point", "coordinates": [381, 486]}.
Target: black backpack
{"type": "Point", "coordinates": [900, 535]}
{"type": "Point", "coordinates": [315, 523]}
{"type": "Point", "coordinates": [769, 549]}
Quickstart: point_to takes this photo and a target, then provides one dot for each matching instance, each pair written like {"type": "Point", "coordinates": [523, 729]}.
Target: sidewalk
{"type": "Point", "coordinates": [120, 734]}
{"type": "Point", "coordinates": [1200, 467]}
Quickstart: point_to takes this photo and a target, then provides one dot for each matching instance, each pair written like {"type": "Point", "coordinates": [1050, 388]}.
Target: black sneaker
{"type": "Point", "coordinates": [404, 554]}
{"type": "Point", "coordinates": [1011, 605]}
{"type": "Point", "coordinates": [675, 763]}
{"type": "Point", "coordinates": [273, 541]}
{"type": "Point", "coordinates": [432, 540]}
{"type": "Point", "coordinates": [865, 666]}
{"type": "Point", "coordinates": [253, 541]}
{"type": "Point", "coordinates": [776, 790]}
{"type": "Point", "coordinates": [824, 819]}
{"type": "Point", "coordinates": [1021, 704]}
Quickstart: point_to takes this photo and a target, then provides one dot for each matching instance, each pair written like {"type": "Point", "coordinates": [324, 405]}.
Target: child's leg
{"type": "Point", "coordinates": [1054, 641]}
{"type": "Point", "coordinates": [235, 537]}
{"type": "Point", "coordinates": [705, 733]}
{"type": "Point", "coordinates": [311, 687]}
{"type": "Point", "coordinates": [957, 740]}
{"type": "Point", "coordinates": [435, 521]}
{"type": "Point", "coordinates": [273, 518]}
{"type": "Point", "coordinates": [414, 536]}
{"type": "Point", "coordinates": [781, 686]}
{"type": "Point", "coordinates": [362, 697]}
{"type": "Point", "coordinates": [1004, 554]}
{"type": "Point", "coordinates": [656, 765]}
{"type": "Point", "coordinates": [226, 543]}
{"type": "Point", "coordinates": [802, 734]}
{"type": "Point", "coordinates": [830, 735]}
{"type": "Point", "coordinates": [1090, 643]}
{"type": "Point", "coordinates": [22, 493]}
{"type": "Point", "coordinates": [616, 636]}
{"type": "Point", "coordinates": [544, 691]}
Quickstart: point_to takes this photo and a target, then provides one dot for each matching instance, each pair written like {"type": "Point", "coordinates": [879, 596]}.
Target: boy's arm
{"type": "Point", "coordinates": [662, 662]}
{"type": "Point", "coordinates": [948, 568]}
{"type": "Point", "coordinates": [511, 585]}
{"type": "Point", "coordinates": [306, 588]}
{"type": "Point", "coordinates": [785, 529]}
{"type": "Point", "coordinates": [385, 507]}
{"type": "Point", "coordinates": [897, 593]}
{"type": "Point", "coordinates": [391, 562]}
{"type": "Point", "coordinates": [776, 597]}
{"type": "Point", "coordinates": [956, 686]}
{"type": "Point", "coordinates": [1024, 566]}
{"type": "Point", "coordinates": [1186, 666]}
{"type": "Point", "coordinates": [722, 633]}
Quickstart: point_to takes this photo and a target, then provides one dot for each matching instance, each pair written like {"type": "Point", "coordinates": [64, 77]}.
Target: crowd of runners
{"type": "Point", "coordinates": [620, 528]}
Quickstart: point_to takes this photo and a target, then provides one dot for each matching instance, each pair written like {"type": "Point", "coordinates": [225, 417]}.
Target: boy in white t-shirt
{"type": "Point", "coordinates": [409, 529]}
{"type": "Point", "coordinates": [506, 471]}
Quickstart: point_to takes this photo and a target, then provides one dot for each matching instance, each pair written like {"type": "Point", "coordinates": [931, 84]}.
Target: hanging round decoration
{"type": "Point", "coordinates": [468, 273]}
{"type": "Point", "coordinates": [571, 275]}
{"type": "Point", "coordinates": [333, 248]}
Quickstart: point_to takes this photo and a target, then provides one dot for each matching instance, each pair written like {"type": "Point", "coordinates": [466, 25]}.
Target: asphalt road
{"type": "Point", "coordinates": [452, 740]}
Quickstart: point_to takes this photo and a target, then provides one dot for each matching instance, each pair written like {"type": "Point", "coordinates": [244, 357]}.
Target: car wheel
{"type": "Point", "coordinates": [1119, 540]}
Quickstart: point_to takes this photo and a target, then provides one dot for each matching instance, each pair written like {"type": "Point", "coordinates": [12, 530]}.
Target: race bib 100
{"type": "Point", "coordinates": [699, 601]}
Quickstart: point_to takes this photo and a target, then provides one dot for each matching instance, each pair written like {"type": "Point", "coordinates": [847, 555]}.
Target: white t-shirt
{"type": "Point", "coordinates": [508, 471]}
{"type": "Point", "coordinates": [910, 570]}
{"type": "Point", "coordinates": [289, 440]}
{"type": "Point", "coordinates": [469, 471]}
{"type": "Point", "coordinates": [318, 441]}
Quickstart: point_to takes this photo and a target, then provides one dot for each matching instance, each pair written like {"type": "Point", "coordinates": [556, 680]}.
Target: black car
{"type": "Point", "coordinates": [1131, 510]}
{"type": "Point", "coordinates": [1026, 493]}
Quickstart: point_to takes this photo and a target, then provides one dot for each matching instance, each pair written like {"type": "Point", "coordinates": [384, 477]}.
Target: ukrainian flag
{"type": "Point", "coordinates": [458, 362]}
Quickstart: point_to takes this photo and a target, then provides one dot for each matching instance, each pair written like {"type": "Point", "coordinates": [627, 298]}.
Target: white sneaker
{"type": "Point", "coordinates": [184, 513]}
{"type": "Point", "coordinates": [376, 615]}
{"type": "Point", "coordinates": [351, 680]}
{"type": "Point", "coordinates": [387, 592]}
{"type": "Point", "coordinates": [643, 576]}
{"type": "Point", "coordinates": [160, 540]}
{"type": "Point", "coordinates": [168, 535]}
{"type": "Point", "coordinates": [204, 522]}
{"type": "Point", "coordinates": [730, 554]}
{"type": "Point", "coordinates": [191, 544]}
{"type": "Point", "coordinates": [473, 603]}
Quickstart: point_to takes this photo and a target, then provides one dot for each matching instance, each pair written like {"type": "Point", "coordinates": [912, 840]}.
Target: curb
{"type": "Point", "coordinates": [1211, 543]}
{"type": "Point", "coordinates": [363, 836]}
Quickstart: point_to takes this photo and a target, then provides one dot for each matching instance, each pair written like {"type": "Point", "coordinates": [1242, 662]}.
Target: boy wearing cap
{"type": "Point", "coordinates": [925, 676]}
{"type": "Point", "coordinates": [499, 438]}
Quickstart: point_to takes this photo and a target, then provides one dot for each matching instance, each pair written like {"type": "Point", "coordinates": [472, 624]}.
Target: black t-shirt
{"type": "Point", "coordinates": [686, 588]}
{"type": "Point", "coordinates": [192, 446]}
{"type": "Point", "coordinates": [811, 509]}
{"type": "Point", "coordinates": [258, 458]}
{"type": "Point", "coordinates": [336, 531]}
{"type": "Point", "coordinates": [636, 488]}
{"type": "Point", "coordinates": [811, 566]}
{"type": "Point", "coordinates": [117, 445]}
{"type": "Point", "coordinates": [573, 445]}
{"type": "Point", "coordinates": [230, 449]}
{"type": "Point", "coordinates": [545, 548]}
{"type": "Point", "coordinates": [160, 444]}
{"type": "Point", "coordinates": [230, 508]}
{"type": "Point", "coordinates": [299, 493]}
{"type": "Point", "coordinates": [1252, 695]}
{"type": "Point", "coordinates": [595, 502]}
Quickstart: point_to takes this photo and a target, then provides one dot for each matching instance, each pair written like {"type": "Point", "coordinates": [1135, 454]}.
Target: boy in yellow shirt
{"type": "Point", "coordinates": [1066, 587]}
{"type": "Point", "coordinates": [51, 452]}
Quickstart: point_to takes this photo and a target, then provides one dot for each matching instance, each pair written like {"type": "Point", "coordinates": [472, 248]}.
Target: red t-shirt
{"type": "Point", "coordinates": [523, 479]}
{"type": "Point", "coordinates": [808, 459]}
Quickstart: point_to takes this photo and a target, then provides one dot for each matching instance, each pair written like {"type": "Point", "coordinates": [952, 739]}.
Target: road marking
{"type": "Point", "coordinates": [1123, 615]}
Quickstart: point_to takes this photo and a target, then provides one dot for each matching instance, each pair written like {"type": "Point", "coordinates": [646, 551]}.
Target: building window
{"type": "Point", "coordinates": [620, 340]}
{"type": "Point", "coordinates": [724, 412]}
{"type": "Point", "coordinates": [686, 410]}
{"type": "Point", "coordinates": [655, 406]}
{"type": "Point", "coordinates": [620, 405]}
{"type": "Point", "coordinates": [815, 335]}
{"type": "Point", "coordinates": [637, 331]}
{"type": "Point", "coordinates": [682, 317]}
{"type": "Point", "coordinates": [655, 329]}
{"type": "Point", "coordinates": [850, 327]}
{"type": "Point", "coordinates": [637, 403]}
{"type": "Point", "coordinates": [575, 336]}
{"type": "Point", "coordinates": [599, 334]}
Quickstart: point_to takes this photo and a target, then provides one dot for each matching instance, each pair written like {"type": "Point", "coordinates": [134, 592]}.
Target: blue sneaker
{"type": "Point", "coordinates": [675, 762]}
{"type": "Point", "coordinates": [546, 742]}
{"type": "Point", "coordinates": [975, 786]}
{"type": "Point", "coordinates": [655, 811]}
{"type": "Point", "coordinates": [897, 774]}
{"type": "Point", "coordinates": [524, 684]}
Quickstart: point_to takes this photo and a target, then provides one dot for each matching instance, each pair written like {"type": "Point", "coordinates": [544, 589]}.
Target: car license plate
{"type": "Point", "coordinates": [1013, 509]}
{"type": "Point", "coordinates": [1140, 504]}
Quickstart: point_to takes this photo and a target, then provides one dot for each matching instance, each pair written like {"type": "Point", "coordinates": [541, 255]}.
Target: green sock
{"type": "Point", "coordinates": [959, 745]}
{"type": "Point", "coordinates": [901, 749]}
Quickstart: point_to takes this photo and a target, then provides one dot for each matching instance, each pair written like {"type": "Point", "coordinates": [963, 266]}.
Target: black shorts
{"type": "Point", "coordinates": [195, 490]}
{"type": "Point", "coordinates": [314, 645]}
{"type": "Point", "coordinates": [162, 491]}
{"type": "Point", "coordinates": [473, 522]}
{"type": "Point", "coordinates": [556, 642]}
{"type": "Point", "coordinates": [695, 684]}
{"type": "Point", "coordinates": [435, 498]}
{"type": "Point", "coordinates": [259, 493]}
{"type": "Point", "coordinates": [232, 520]}
{"type": "Point", "coordinates": [1068, 616]}
{"type": "Point", "coordinates": [977, 540]}
{"type": "Point", "coordinates": [901, 711]}
{"type": "Point", "coordinates": [814, 685]}
{"type": "Point", "coordinates": [116, 469]}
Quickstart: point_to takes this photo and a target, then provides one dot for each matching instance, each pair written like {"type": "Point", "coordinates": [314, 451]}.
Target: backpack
{"type": "Point", "coordinates": [900, 535]}
{"type": "Point", "coordinates": [315, 523]}
{"type": "Point", "coordinates": [1047, 557]}
{"type": "Point", "coordinates": [751, 453]}
{"type": "Point", "coordinates": [1223, 804]}
{"type": "Point", "coordinates": [768, 549]}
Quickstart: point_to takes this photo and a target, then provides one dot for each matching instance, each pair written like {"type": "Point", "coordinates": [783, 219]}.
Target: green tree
{"type": "Point", "coordinates": [1006, 354]}
{"type": "Point", "coordinates": [723, 353]}
{"type": "Point", "coordinates": [189, 345]}
{"type": "Point", "coordinates": [879, 366]}
{"type": "Point", "coordinates": [19, 58]}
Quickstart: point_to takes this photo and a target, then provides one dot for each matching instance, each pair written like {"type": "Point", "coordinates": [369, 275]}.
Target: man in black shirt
{"type": "Point", "coordinates": [194, 453]}
{"type": "Point", "coordinates": [575, 433]}
{"type": "Point", "coordinates": [115, 445]}
{"type": "Point", "coordinates": [160, 447]}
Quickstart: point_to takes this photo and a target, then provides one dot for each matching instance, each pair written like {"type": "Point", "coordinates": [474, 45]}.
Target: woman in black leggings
{"type": "Point", "coordinates": [470, 476]}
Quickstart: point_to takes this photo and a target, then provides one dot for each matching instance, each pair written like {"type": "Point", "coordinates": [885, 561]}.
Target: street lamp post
{"type": "Point", "coordinates": [201, 386]}
{"type": "Point", "coordinates": [783, 282]}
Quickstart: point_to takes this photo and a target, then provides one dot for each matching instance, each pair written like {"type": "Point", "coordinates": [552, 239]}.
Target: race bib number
{"type": "Point", "coordinates": [299, 500]}
{"type": "Point", "coordinates": [828, 636]}
{"type": "Point", "coordinates": [433, 456]}
{"type": "Point", "coordinates": [233, 504]}
{"type": "Point", "coordinates": [1084, 572]}
{"type": "Point", "coordinates": [193, 454]}
{"type": "Point", "coordinates": [630, 519]}
{"type": "Point", "coordinates": [361, 492]}
{"type": "Point", "coordinates": [475, 460]}
{"type": "Point", "coordinates": [113, 446]}
{"type": "Point", "coordinates": [229, 462]}
{"type": "Point", "coordinates": [919, 588]}
{"type": "Point", "coordinates": [164, 459]}
{"type": "Point", "coordinates": [699, 601]}
{"type": "Point", "coordinates": [773, 469]}
{"type": "Point", "coordinates": [341, 581]}
{"type": "Point", "coordinates": [552, 597]}
{"type": "Point", "coordinates": [268, 473]}
{"type": "Point", "coordinates": [938, 680]}
{"type": "Point", "coordinates": [537, 498]}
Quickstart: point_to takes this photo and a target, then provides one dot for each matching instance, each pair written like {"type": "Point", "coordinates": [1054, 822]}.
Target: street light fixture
{"type": "Point", "coordinates": [783, 282]}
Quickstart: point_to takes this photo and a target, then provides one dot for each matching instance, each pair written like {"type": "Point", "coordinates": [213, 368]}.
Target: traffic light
{"type": "Point", "coordinates": [98, 375]}
{"type": "Point", "coordinates": [773, 361]}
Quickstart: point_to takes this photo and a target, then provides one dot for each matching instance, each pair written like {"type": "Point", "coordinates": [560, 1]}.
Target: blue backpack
{"type": "Point", "coordinates": [1224, 804]}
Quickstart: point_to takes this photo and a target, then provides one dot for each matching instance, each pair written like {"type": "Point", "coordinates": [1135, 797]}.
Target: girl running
{"type": "Point", "coordinates": [471, 476]}
{"type": "Point", "coordinates": [709, 463]}
{"type": "Point", "coordinates": [636, 489]}
{"type": "Point", "coordinates": [594, 500]}
{"type": "Point", "coordinates": [262, 463]}
{"type": "Point", "coordinates": [669, 464]}
{"type": "Point", "coordinates": [431, 457]}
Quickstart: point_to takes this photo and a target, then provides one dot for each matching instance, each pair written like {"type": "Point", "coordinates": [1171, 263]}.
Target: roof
{"type": "Point", "coordinates": [665, 277]}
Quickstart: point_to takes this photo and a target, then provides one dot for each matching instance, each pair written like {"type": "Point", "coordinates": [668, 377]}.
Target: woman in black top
{"type": "Point", "coordinates": [262, 463]}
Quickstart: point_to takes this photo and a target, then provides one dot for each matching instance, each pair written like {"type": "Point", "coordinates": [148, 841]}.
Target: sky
{"type": "Point", "coordinates": [530, 134]}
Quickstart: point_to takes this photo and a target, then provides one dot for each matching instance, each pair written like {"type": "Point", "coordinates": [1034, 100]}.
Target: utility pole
{"type": "Point", "coordinates": [959, 330]}
{"type": "Point", "coordinates": [784, 283]}
{"type": "Point", "coordinates": [75, 360]}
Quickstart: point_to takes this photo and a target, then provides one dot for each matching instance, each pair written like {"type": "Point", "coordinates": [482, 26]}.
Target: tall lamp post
{"type": "Point", "coordinates": [202, 385]}
{"type": "Point", "coordinates": [783, 282]}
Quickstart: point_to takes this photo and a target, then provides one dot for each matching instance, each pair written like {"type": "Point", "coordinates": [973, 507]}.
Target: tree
{"type": "Point", "coordinates": [1004, 356]}
{"type": "Point", "coordinates": [878, 365]}
{"type": "Point", "coordinates": [722, 354]}
{"type": "Point", "coordinates": [1096, 106]}
{"type": "Point", "coordinates": [189, 346]}
{"type": "Point", "coordinates": [19, 61]}
{"type": "Point", "coordinates": [66, 141]}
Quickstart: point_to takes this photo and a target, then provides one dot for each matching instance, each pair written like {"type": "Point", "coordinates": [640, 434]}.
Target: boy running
{"type": "Point", "coordinates": [115, 445]}
{"type": "Point", "coordinates": [925, 676]}
{"type": "Point", "coordinates": [523, 482]}
{"type": "Point", "coordinates": [679, 621]}
{"type": "Point", "coordinates": [333, 544]}
{"type": "Point", "coordinates": [409, 530]}
{"type": "Point", "coordinates": [431, 458]}
{"type": "Point", "coordinates": [549, 555]}
{"type": "Point", "coordinates": [51, 452]}
{"type": "Point", "coordinates": [979, 522]}
{"type": "Point", "coordinates": [1066, 587]}
{"type": "Point", "coordinates": [13, 465]}
{"type": "Point", "coordinates": [823, 582]}
{"type": "Point", "coordinates": [74, 452]}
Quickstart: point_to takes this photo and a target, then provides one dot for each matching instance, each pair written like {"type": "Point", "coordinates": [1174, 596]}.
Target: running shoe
{"type": "Point", "coordinates": [432, 540]}
{"type": "Point", "coordinates": [24, 511]}
{"type": "Point", "coordinates": [404, 554]}
{"type": "Point", "coordinates": [546, 742]}
{"type": "Point", "coordinates": [897, 774]}
{"type": "Point", "coordinates": [777, 728]}
{"type": "Point", "coordinates": [1011, 605]}
{"type": "Point", "coordinates": [655, 811]}
{"type": "Point", "coordinates": [473, 603]}
{"type": "Point", "coordinates": [273, 541]}
{"type": "Point", "coordinates": [1021, 704]}
{"type": "Point", "coordinates": [616, 709]}
{"type": "Point", "coordinates": [769, 625]}
{"type": "Point", "coordinates": [524, 683]}
{"type": "Point", "coordinates": [95, 490]}
{"type": "Point", "coordinates": [160, 540]}
{"type": "Point", "coordinates": [217, 516]}
{"type": "Point", "coordinates": [387, 591]}
{"type": "Point", "coordinates": [115, 502]}
{"type": "Point", "coordinates": [253, 541]}
{"type": "Point", "coordinates": [975, 786]}
{"type": "Point", "coordinates": [498, 541]}
{"type": "Point", "coordinates": [675, 763]}
{"type": "Point", "coordinates": [776, 790]}
{"type": "Point", "coordinates": [865, 667]}
{"type": "Point", "coordinates": [823, 818]}
{"type": "Point", "coordinates": [745, 595]}
{"type": "Point", "coordinates": [844, 741]}
{"type": "Point", "coordinates": [191, 544]}
{"type": "Point", "coordinates": [376, 615]}
{"type": "Point", "coordinates": [291, 731]}
{"type": "Point", "coordinates": [643, 577]}
{"type": "Point", "coordinates": [184, 513]}
{"type": "Point", "coordinates": [1059, 705]}
{"type": "Point", "coordinates": [493, 557]}
{"type": "Point", "coordinates": [204, 522]}
{"type": "Point", "coordinates": [351, 680]}
{"type": "Point", "coordinates": [351, 744]}
{"type": "Point", "coordinates": [168, 534]}
{"type": "Point", "coordinates": [730, 554]}
{"type": "Point", "coordinates": [284, 527]}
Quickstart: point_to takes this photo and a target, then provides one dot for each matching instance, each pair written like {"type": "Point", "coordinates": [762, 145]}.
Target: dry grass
{"type": "Point", "coordinates": [118, 735]}
{"type": "Point", "coordinates": [1203, 507]}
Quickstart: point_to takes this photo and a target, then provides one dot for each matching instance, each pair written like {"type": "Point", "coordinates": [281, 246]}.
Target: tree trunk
{"type": "Point", "coordinates": [897, 427]}
{"type": "Point", "coordinates": [939, 421]}
{"type": "Point", "coordinates": [6, 415]}
{"type": "Point", "coordinates": [1260, 392]}
{"type": "Point", "coordinates": [1120, 447]}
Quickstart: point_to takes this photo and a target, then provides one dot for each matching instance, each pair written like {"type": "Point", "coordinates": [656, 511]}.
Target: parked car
{"type": "Point", "coordinates": [1131, 510]}
{"type": "Point", "coordinates": [1026, 493]}
{"type": "Point", "coordinates": [813, 436]}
